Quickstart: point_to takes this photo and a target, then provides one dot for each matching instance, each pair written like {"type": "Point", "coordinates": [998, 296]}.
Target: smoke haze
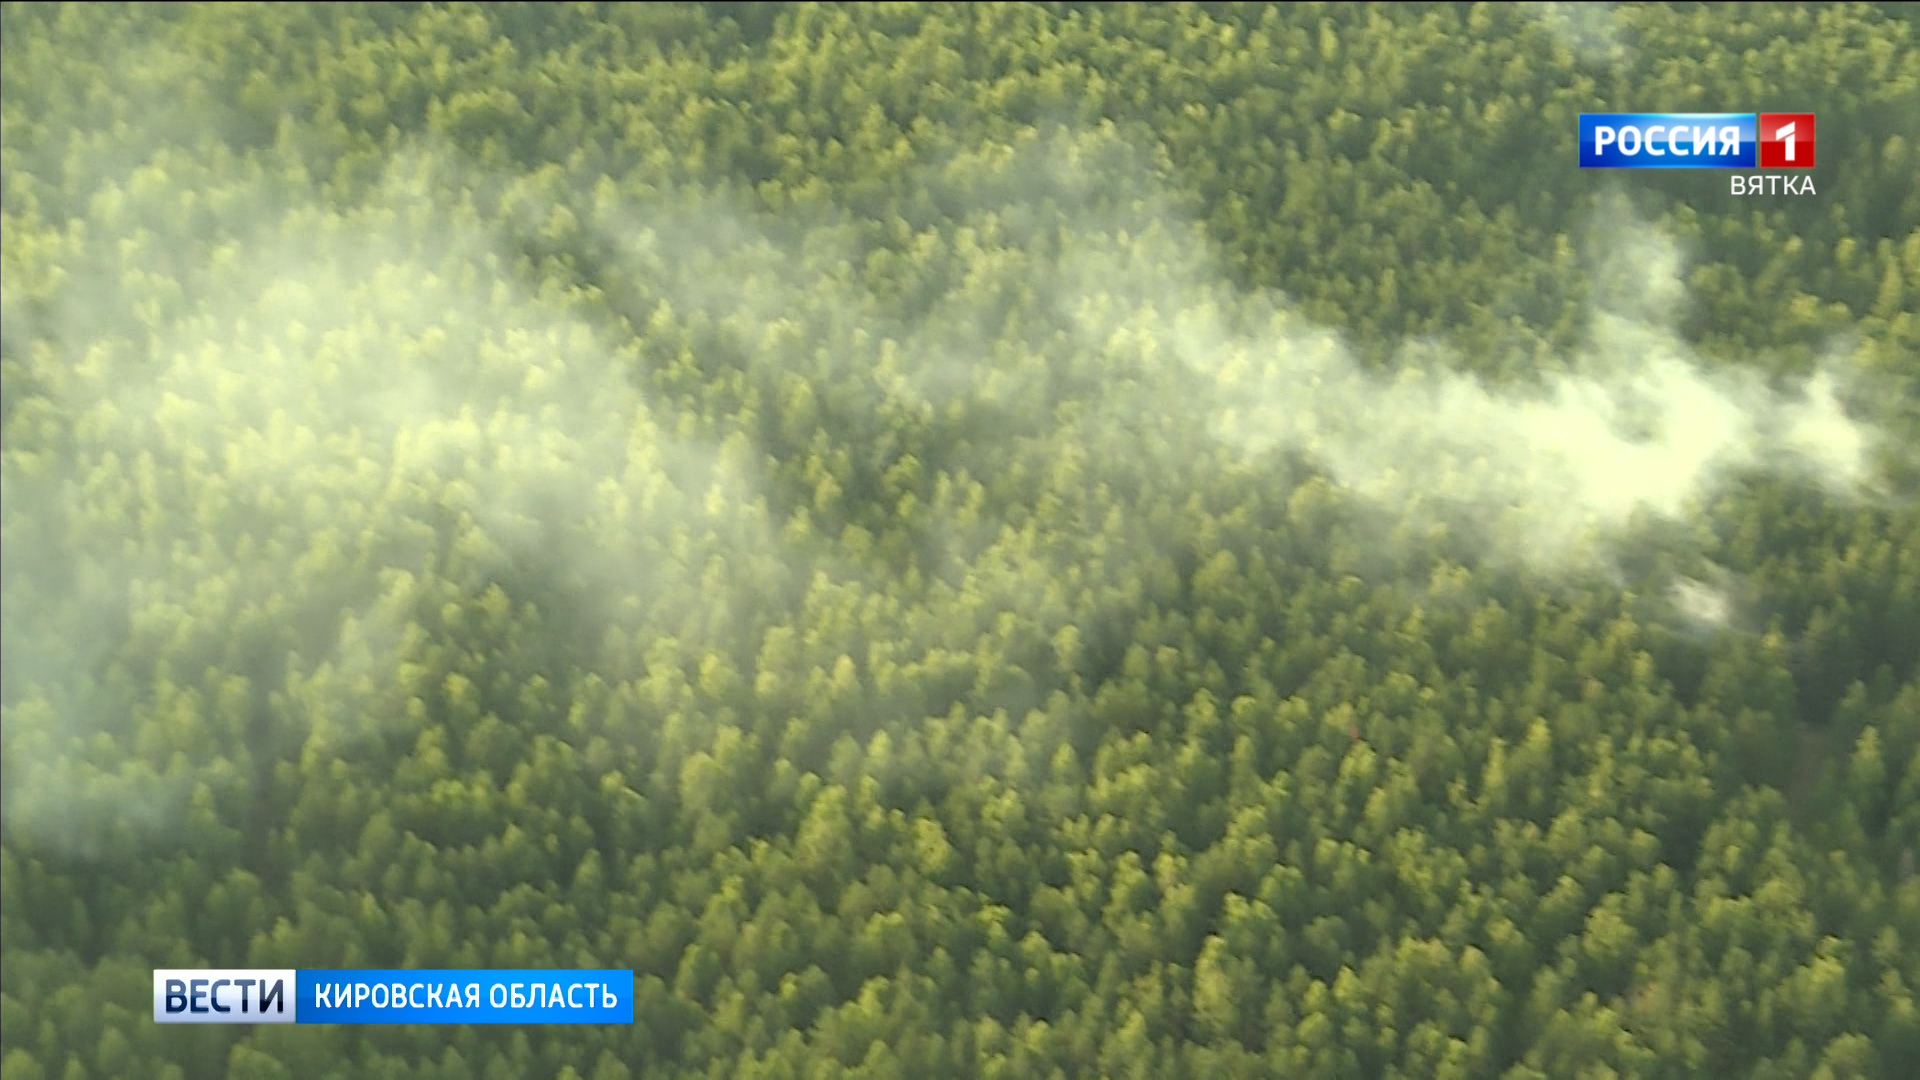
{"type": "Point", "coordinates": [332, 424]}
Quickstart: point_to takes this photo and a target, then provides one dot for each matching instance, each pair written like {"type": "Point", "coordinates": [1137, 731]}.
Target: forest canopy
{"type": "Point", "coordinates": [1004, 540]}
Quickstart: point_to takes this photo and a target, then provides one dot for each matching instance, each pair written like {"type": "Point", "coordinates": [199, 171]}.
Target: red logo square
{"type": "Point", "coordinates": [1786, 140]}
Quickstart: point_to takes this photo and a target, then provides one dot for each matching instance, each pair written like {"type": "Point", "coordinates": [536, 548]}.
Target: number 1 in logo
{"type": "Point", "coordinates": [1786, 141]}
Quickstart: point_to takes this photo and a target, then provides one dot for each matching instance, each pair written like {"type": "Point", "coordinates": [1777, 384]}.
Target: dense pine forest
{"type": "Point", "coordinates": [962, 540]}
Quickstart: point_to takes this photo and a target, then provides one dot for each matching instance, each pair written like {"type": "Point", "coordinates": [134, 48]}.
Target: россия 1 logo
{"type": "Point", "coordinates": [1705, 141]}
{"type": "Point", "coordinates": [1667, 140]}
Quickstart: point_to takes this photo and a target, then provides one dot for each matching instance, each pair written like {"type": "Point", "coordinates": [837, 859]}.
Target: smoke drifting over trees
{"type": "Point", "coordinates": [1034, 538]}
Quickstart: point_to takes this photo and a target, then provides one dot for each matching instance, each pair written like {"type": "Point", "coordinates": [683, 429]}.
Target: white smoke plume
{"type": "Point", "coordinates": [327, 425]}
{"type": "Point", "coordinates": [1636, 427]}
{"type": "Point", "coordinates": [1591, 31]}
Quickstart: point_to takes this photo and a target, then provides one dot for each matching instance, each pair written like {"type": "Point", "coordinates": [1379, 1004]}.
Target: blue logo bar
{"type": "Point", "coordinates": [464, 997]}
{"type": "Point", "coordinates": [1668, 140]}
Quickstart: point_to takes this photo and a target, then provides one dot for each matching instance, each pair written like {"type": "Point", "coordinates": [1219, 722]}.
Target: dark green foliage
{"type": "Point", "coordinates": [719, 489]}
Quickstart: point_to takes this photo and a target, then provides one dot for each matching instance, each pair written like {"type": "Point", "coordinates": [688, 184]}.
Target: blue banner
{"type": "Point", "coordinates": [1668, 140]}
{"type": "Point", "coordinates": [464, 997]}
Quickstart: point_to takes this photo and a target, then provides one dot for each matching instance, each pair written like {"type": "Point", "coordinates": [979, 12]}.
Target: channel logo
{"type": "Point", "coordinates": [223, 996]}
{"type": "Point", "coordinates": [440, 996]}
{"type": "Point", "coordinates": [1786, 140]}
{"type": "Point", "coordinates": [1696, 140]}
